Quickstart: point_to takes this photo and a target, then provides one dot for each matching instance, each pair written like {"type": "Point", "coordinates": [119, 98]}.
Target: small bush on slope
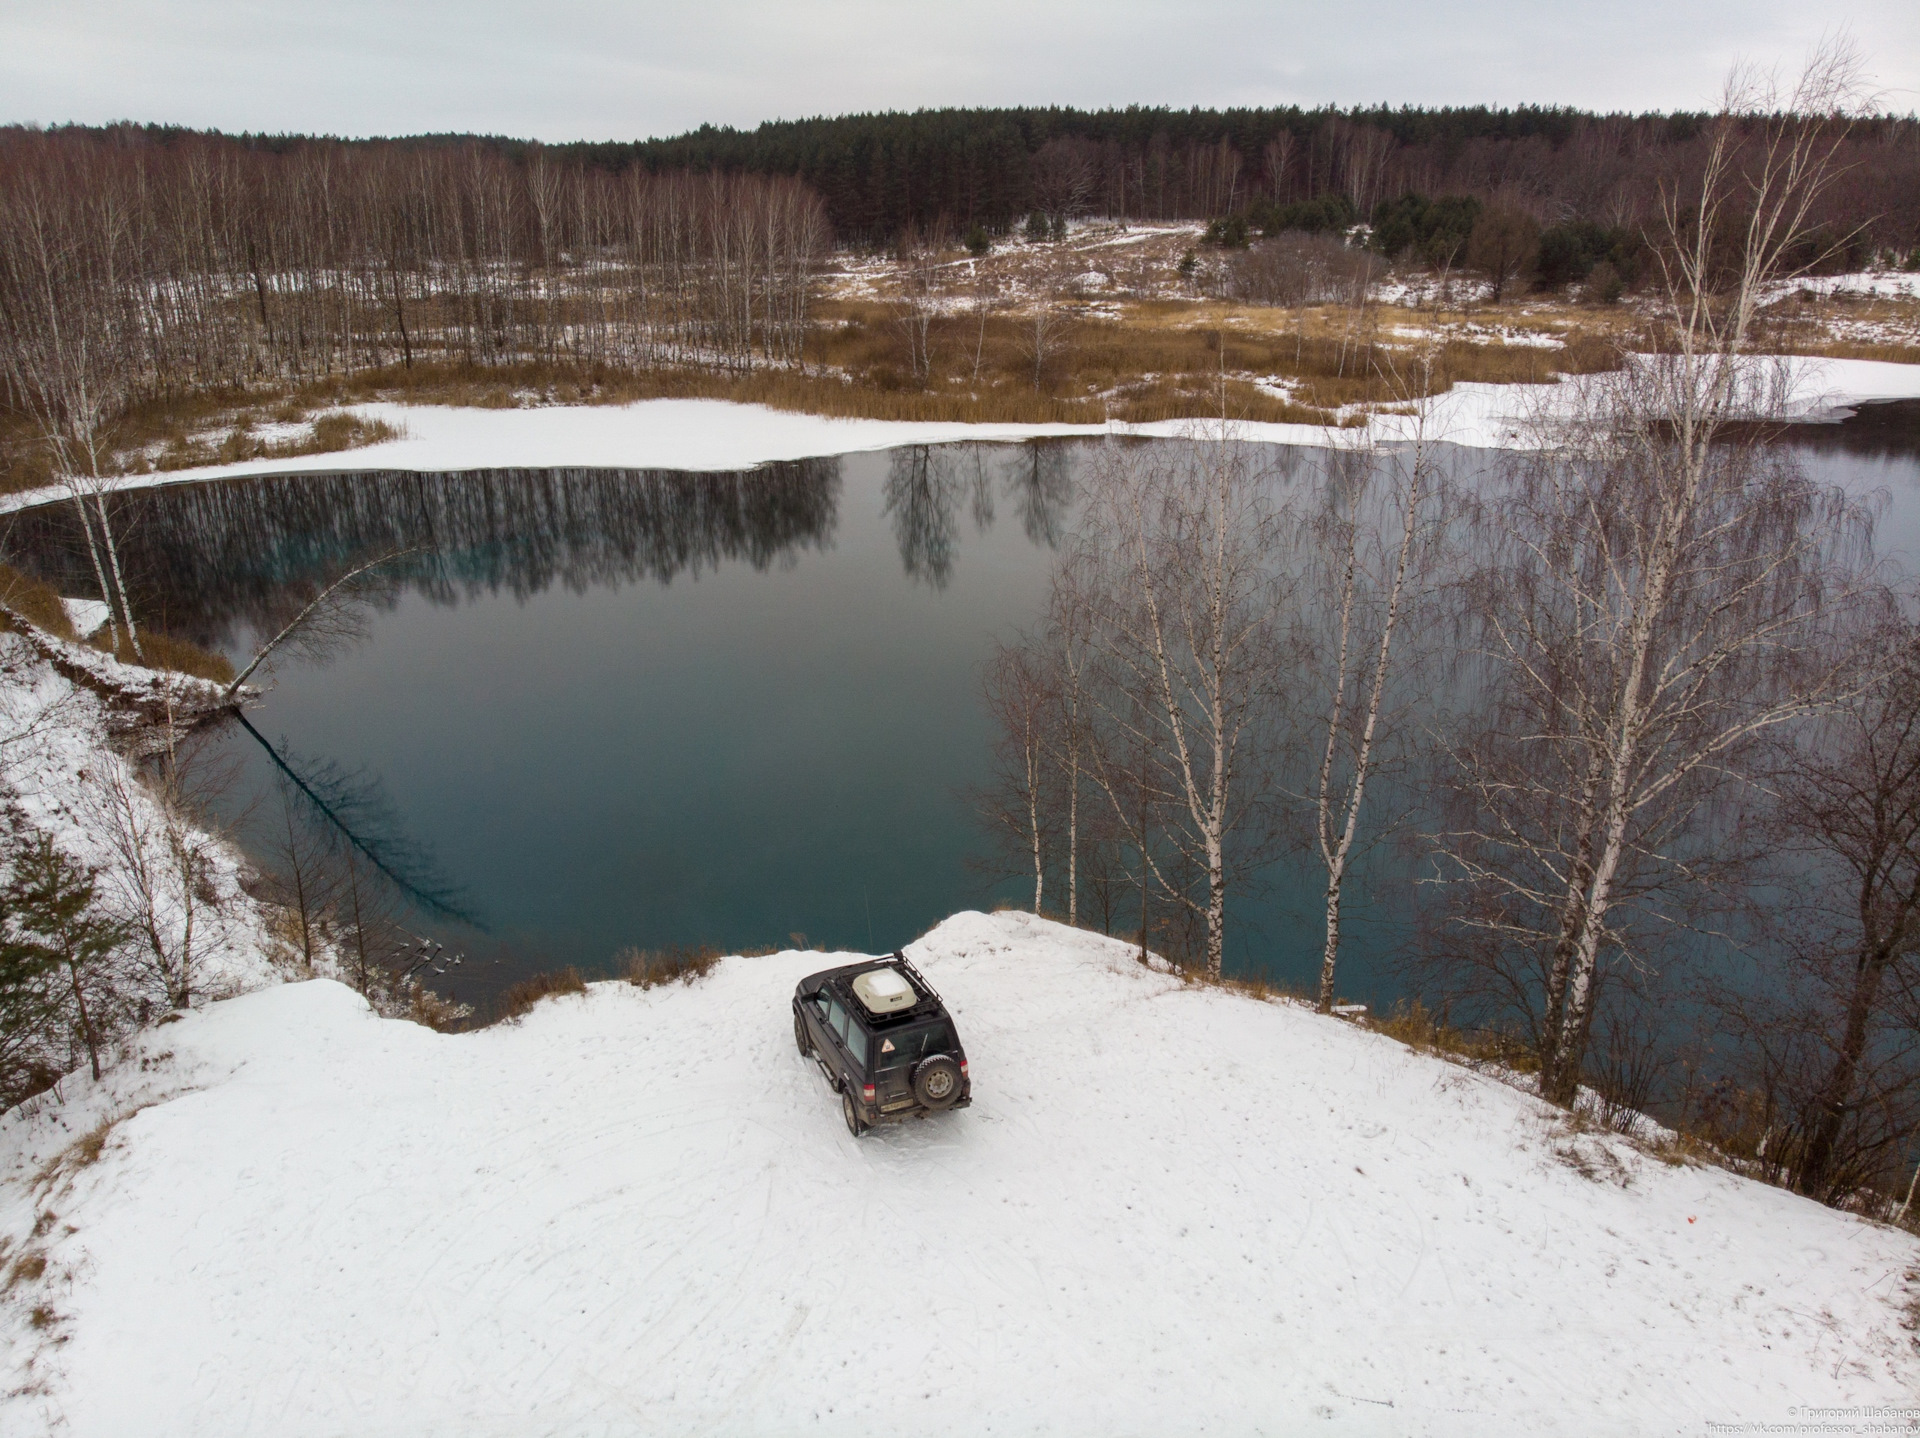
{"type": "Point", "coordinates": [163, 651]}
{"type": "Point", "coordinates": [518, 1000]}
{"type": "Point", "coordinates": [35, 601]}
{"type": "Point", "coordinates": [646, 968]}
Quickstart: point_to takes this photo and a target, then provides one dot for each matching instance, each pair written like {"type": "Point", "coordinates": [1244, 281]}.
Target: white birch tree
{"type": "Point", "coordinates": [1662, 591]}
{"type": "Point", "coordinates": [1188, 613]}
{"type": "Point", "coordinates": [1378, 578]}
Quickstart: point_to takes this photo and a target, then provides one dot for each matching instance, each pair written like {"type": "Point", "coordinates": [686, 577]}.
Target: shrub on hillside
{"type": "Point", "coordinates": [35, 601]}
{"type": "Point", "coordinates": [1301, 269]}
{"type": "Point", "coordinates": [1503, 246]}
{"type": "Point", "coordinates": [1229, 231]}
{"type": "Point", "coordinates": [1434, 232]}
{"type": "Point", "coordinates": [519, 999]}
{"type": "Point", "coordinates": [163, 651]}
{"type": "Point", "coordinates": [648, 968]}
{"type": "Point", "coordinates": [1571, 252]}
{"type": "Point", "coordinates": [1329, 214]}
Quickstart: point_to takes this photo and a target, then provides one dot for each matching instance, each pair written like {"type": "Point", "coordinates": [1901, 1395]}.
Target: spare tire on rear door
{"type": "Point", "coordinates": [936, 1082]}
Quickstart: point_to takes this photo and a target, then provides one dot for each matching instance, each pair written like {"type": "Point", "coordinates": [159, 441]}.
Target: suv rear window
{"type": "Point", "coordinates": [909, 1046]}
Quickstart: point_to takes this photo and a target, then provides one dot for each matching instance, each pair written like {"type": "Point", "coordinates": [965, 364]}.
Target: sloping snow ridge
{"type": "Point", "coordinates": [1170, 1210]}
{"type": "Point", "coordinates": [62, 775]}
{"type": "Point", "coordinates": [701, 434]}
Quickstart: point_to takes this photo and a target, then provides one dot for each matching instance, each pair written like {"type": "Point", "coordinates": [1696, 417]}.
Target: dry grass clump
{"type": "Point", "coordinates": [39, 604]}
{"type": "Point", "coordinates": [1268, 991]}
{"type": "Point", "coordinates": [649, 968]}
{"type": "Point", "coordinates": [436, 1011]}
{"type": "Point", "coordinates": [35, 601]}
{"type": "Point", "coordinates": [1418, 1027]}
{"type": "Point", "coordinates": [328, 434]}
{"type": "Point", "coordinates": [519, 999]}
{"type": "Point", "coordinates": [163, 651]}
{"type": "Point", "coordinates": [83, 1152]}
{"type": "Point", "coordinates": [86, 1150]}
{"type": "Point", "coordinates": [215, 426]}
{"type": "Point", "coordinates": [26, 1269]}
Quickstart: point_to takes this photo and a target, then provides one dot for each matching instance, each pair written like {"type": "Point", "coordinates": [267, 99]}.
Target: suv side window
{"type": "Point", "coordinates": [837, 1019]}
{"type": "Point", "coordinates": [857, 1044]}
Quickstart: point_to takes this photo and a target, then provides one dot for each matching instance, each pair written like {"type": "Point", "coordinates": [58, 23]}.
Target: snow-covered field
{"type": "Point", "coordinates": [1879, 284]}
{"type": "Point", "coordinates": [1171, 1210]}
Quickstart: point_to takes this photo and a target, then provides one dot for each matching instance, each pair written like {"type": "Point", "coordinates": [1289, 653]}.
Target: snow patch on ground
{"type": "Point", "coordinates": [1171, 1209]}
{"type": "Point", "coordinates": [720, 435]}
{"type": "Point", "coordinates": [1421, 288]}
{"type": "Point", "coordinates": [1882, 284]}
{"type": "Point", "coordinates": [87, 615]}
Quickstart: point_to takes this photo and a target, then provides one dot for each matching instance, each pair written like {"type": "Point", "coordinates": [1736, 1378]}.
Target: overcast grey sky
{"type": "Point", "coordinates": [598, 69]}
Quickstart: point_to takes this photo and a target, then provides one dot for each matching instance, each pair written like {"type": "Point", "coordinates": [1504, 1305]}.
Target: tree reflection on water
{"type": "Point", "coordinates": [927, 485]}
{"type": "Point", "coordinates": [209, 561]}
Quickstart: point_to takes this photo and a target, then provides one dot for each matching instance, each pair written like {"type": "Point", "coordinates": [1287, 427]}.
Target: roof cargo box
{"type": "Point", "coordinates": [884, 991]}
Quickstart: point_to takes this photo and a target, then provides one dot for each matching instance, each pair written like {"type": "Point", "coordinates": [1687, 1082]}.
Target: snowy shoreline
{"type": "Point", "coordinates": [716, 435]}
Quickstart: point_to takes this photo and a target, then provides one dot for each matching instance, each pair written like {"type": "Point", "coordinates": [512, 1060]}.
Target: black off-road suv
{"type": "Point", "coordinates": [884, 1040]}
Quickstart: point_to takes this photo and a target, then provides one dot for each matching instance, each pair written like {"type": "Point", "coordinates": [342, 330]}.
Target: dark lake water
{"type": "Point", "coordinates": [612, 708]}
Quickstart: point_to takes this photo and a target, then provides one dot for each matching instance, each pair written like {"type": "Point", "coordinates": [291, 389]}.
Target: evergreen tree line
{"type": "Point", "coordinates": [879, 174]}
{"type": "Point", "coordinates": [1503, 240]}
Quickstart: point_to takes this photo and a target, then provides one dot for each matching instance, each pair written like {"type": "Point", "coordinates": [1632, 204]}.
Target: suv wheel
{"type": "Point", "coordinates": [800, 1036]}
{"type": "Point", "coordinates": [936, 1083]}
{"type": "Point", "coordinates": [851, 1114]}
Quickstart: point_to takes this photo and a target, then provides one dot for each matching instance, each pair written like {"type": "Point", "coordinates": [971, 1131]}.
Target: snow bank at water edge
{"type": "Point", "coordinates": [720, 435]}
{"type": "Point", "coordinates": [1171, 1209]}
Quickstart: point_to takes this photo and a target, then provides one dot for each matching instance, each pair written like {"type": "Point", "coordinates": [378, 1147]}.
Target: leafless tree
{"type": "Point", "coordinates": [1502, 246]}
{"type": "Point", "coordinates": [1068, 640]}
{"type": "Point", "coordinates": [1370, 593]}
{"type": "Point", "coordinates": [303, 873]}
{"type": "Point", "coordinates": [130, 271]}
{"type": "Point", "coordinates": [159, 878]}
{"type": "Point", "coordinates": [1832, 1020]}
{"type": "Point", "coordinates": [986, 301]}
{"type": "Point", "coordinates": [1061, 174]}
{"type": "Point", "coordinates": [1016, 805]}
{"type": "Point", "coordinates": [1659, 597]}
{"type": "Point", "coordinates": [1043, 331]}
{"type": "Point", "coordinates": [915, 304]}
{"type": "Point", "coordinates": [1187, 618]}
{"type": "Point", "coordinates": [324, 622]}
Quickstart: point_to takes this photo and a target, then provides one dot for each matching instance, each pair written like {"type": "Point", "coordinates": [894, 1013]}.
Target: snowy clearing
{"type": "Point", "coordinates": [1882, 284]}
{"type": "Point", "coordinates": [697, 434]}
{"type": "Point", "coordinates": [1169, 1210]}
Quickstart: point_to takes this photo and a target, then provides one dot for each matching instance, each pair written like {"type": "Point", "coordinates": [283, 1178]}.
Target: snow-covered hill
{"type": "Point", "coordinates": [1170, 1210]}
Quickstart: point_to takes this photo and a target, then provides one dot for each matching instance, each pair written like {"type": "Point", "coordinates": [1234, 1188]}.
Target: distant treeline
{"type": "Point", "coordinates": [139, 263]}
{"type": "Point", "coordinates": [879, 173]}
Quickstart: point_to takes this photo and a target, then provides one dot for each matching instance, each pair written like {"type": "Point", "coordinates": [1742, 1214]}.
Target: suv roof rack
{"type": "Point", "coordinates": [919, 979]}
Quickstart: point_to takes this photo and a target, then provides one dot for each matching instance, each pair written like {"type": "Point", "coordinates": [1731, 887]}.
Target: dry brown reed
{"type": "Point", "coordinates": [649, 968]}
{"type": "Point", "coordinates": [519, 999]}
